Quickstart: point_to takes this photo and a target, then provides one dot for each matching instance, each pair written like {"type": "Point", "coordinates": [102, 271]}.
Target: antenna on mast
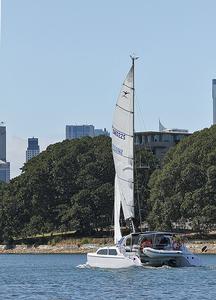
{"type": "Point", "coordinates": [134, 57]}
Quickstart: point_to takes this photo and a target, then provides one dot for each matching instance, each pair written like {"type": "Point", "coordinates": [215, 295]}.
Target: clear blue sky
{"type": "Point", "coordinates": [63, 61]}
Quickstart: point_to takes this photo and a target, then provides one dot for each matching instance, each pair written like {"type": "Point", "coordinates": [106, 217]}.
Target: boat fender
{"type": "Point", "coordinates": [204, 249]}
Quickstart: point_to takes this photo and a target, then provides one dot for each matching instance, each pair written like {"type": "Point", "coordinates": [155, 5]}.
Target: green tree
{"type": "Point", "coordinates": [184, 189]}
{"type": "Point", "coordinates": [68, 186]}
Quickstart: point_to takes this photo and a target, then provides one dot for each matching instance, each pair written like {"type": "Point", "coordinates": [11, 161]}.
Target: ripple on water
{"type": "Point", "coordinates": [84, 266]}
{"type": "Point", "coordinates": [67, 277]}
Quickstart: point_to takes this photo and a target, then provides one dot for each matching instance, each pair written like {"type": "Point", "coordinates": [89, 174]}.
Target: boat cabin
{"type": "Point", "coordinates": [152, 239]}
{"type": "Point", "coordinates": [108, 251]}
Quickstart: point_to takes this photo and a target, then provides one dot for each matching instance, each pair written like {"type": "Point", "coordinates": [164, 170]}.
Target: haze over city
{"type": "Point", "coordinates": [62, 63]}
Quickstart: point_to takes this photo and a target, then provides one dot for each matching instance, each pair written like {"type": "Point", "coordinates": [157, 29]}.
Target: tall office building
{"type": "Point", "coordinates": [98, 132]}
{"type": "Point", "coordinates": [2, 142]}
{"type": "Point", "coordinates": [78, 131]}
{"type": "Point", "coordinates": [33, 148]}
{"type": "Point", "coordinates": [214, 99]}
{"type": "Point", "coordinates": [4, 171]}
{"type": "Point", "coordinates": [4, 165]}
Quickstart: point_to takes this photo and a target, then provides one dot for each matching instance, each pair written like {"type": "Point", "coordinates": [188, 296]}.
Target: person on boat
{"type": "Point", "coordinates": [164, 243]}
{"type": "Point", "coordinates": [177, 243]}
{"type": "Point", "coordinates": [145, 243]}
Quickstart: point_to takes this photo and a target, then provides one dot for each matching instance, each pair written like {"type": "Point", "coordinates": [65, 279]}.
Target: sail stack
{"type": "Point", "coordinates": [123, 150]}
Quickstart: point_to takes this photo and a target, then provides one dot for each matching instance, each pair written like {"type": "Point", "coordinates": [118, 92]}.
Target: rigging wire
{"type": "Point", "coordinates": [140, 116]}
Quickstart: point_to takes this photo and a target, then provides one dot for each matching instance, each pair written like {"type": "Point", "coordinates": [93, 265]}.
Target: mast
{"type": "Point", "coordinates": [133, 58]}
{"type": "Point", "coordinates": [123, 149]}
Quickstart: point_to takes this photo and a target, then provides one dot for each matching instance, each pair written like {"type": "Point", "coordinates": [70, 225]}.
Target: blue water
{"type": "Point", "coordinates": [57, 277]}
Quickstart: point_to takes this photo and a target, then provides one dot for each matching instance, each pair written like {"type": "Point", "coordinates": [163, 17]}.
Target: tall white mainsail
{"type": "Point", "coordinates": [123, 147]}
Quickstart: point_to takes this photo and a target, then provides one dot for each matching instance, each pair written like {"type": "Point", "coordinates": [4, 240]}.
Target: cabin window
{"type": "Point", "coordinates": [128, 242]}
{"type": "Point", "coordinates": [102, 251]}
{"type": "Point", "coordinates": [112, 252]}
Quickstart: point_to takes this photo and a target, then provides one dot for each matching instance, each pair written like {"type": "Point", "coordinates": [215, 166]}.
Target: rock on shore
{"type": "Point", "coordinates": [25, 249]}
{"type": "Point", "coordinates": [194, 246]}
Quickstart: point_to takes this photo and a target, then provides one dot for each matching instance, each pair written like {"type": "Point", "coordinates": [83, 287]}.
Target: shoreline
{"type": "Point", "coordinates": [193, 246]}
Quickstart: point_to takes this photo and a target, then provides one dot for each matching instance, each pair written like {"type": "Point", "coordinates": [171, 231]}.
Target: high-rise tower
{"type": "Point", "coordinates": [4, 165]}
{"type": "Point", "coordinates": [2, 142]}
{"type": "Point", "coordinates": [78, 131]}
{"type": "Point", "coordinates": [33, 148]}
{"type": "Point", "coordinates": [214, 99]}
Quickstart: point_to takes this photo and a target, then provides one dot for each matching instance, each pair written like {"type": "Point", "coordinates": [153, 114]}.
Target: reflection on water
{"type": "Point", "coordinates": [57, 277]}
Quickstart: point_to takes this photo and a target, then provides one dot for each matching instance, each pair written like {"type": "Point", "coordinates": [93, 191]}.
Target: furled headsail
{"type": "Point", "coordinates": [117, 209]}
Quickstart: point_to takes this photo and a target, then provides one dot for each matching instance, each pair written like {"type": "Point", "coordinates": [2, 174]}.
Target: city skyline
{"type": "Point", "coordinates": [62, 62]}
{"type": "Point", "coordinates": [33, 149]}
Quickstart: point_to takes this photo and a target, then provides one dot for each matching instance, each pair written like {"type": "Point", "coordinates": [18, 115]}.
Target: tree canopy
{"type": "Point", "coordinates": [184, 190]}
{"type": "Point", "coordinates": [67, 187]}
{"type": "Point", "coordinates": [70, 186]}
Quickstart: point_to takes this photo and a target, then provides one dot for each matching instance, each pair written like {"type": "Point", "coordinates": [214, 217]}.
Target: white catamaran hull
{"type": "Point", "coordinates": [112, 262]}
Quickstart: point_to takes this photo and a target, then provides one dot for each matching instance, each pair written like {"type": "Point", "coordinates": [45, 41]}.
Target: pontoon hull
{"type": "Point", "coordinates": [173, 258]}
{"type": "Point", "coordinates": [112, 262]}
{"type": "Point", "coordinates": [154, 253]}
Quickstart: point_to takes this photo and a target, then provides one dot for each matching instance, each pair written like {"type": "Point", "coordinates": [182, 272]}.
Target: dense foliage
{"type": "Point", "coordinates": [67, 187]}
{"type": "Point", "coordinates": [184, 190]}
{"type": "Point", "coordinates": [145, 164]}
{"type": "Point", "coordinates": [70, 187]}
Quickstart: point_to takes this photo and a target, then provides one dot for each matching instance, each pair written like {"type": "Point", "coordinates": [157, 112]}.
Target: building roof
{"type": "Point", "coordinates": [162, 132]}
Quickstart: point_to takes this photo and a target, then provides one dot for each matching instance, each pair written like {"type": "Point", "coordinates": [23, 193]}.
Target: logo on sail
{"type": "Point", "coordinates": [119, 134]}
{"type": "Point", "coordinates": [125, 94]}
{"type": "Point", "coordinates": [117, 150]}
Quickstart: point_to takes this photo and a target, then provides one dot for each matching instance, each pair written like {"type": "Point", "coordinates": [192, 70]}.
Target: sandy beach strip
{"type": "Point", "coordinates": [193, 246]}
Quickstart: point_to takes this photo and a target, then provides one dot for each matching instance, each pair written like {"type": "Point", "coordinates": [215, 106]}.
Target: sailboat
{"type": "Point", "coordinates": [137, 248]}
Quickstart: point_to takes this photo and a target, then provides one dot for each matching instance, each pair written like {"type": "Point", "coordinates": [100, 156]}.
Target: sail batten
{"type": "Point", "coordinates": [124, 109]}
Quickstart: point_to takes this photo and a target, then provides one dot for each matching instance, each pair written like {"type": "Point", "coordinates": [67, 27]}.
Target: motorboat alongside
{"type": "Point", "coordinates": [138, 248]}
{"type": "Point", "coordinates": [157, 249]}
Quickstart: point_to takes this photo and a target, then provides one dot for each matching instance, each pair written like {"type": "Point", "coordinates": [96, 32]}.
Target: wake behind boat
{"type": "Point", "coordinates": [143, 248]}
